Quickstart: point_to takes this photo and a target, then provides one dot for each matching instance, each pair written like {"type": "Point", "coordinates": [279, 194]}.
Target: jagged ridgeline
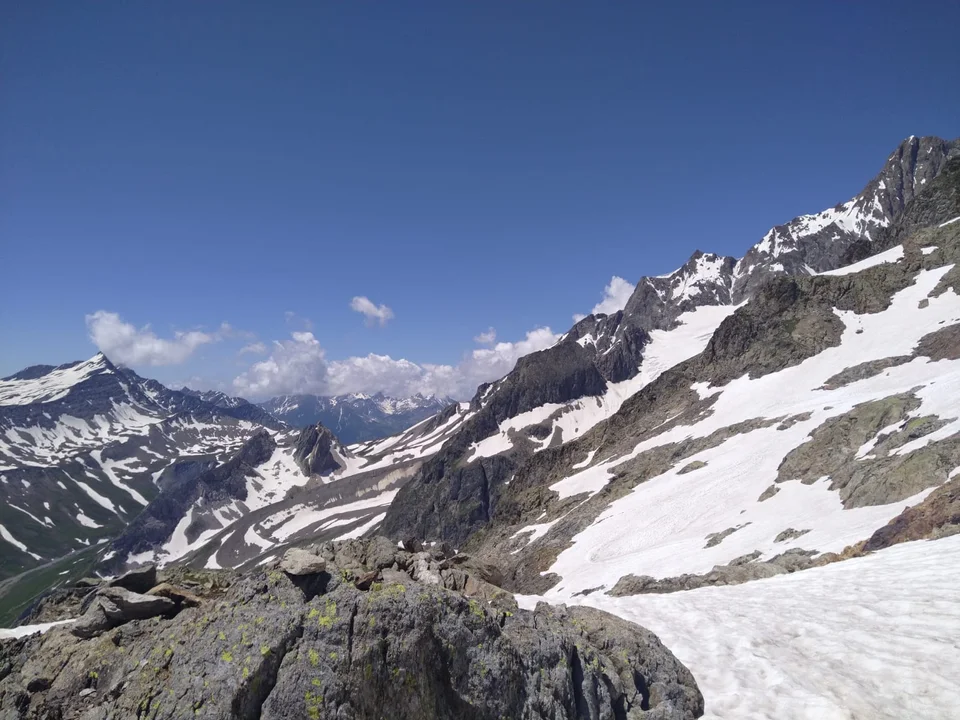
{"type": "Point", "coordinates": [612, 382]}
{"type": "Point", "coordinates": [815, 414]}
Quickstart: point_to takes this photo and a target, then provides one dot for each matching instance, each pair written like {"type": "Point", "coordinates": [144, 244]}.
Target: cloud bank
{"type": "Point", "coordinates": [128, 345]}
{"type": "Point", "coordinates": [299, 365]}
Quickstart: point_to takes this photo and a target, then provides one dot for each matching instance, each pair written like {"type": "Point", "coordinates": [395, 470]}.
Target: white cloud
{"type": "Point", "coordinates": [486, 338]}
{"type": "Point", "coordinates": [295, 366]}
{"type": "Point", "coordinates": [299, 365]}
{"type": "Point", "coordinates": [257, 348]}
{"type": "Point", "coordinates": [373, 313]}
{"type": "Point", "coordinates": [125, 344]}
{"type": "Point", "coordinates": [615, 296]}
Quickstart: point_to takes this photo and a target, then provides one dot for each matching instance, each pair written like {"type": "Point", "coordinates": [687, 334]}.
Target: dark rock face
{"type": "Point", "coordinates": [827, 243]}
{"type": "Point", "coordinates": [314, 452]}
{"type": "Point", "coordinates": [935, 202]}
{"type": "Point", "coordinates": [451, 497]}
{"type": "Point", "coordinates": [272, 646]}
{"type": "Point", "coordinates": [657, 302]}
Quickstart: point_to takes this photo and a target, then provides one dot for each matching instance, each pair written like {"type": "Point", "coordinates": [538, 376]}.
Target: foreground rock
{"type": "Point", "coordinates": [316, 646]}
{"type": "Point", "coordinates": [112, 607]}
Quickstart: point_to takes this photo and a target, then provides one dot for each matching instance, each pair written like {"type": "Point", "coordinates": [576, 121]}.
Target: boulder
{"type": "Point", "coordinates": [183, 598]}
{"type": "Point", "coordinates": [114, 606]}
{"type": "Point", "coordinates": [425, 569]}
{"type": "Point", "coordinates": [297, 561]}
{"type": "Point", "coordinates": [139, 580]}
{"type": "Point", "coordinates": [366, 580]}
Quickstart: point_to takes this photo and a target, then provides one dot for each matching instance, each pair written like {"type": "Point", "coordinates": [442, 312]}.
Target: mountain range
{"type": "Point", "coordinates": [738, 419]}
{"type": "Point", "coordinates": [356, 417]}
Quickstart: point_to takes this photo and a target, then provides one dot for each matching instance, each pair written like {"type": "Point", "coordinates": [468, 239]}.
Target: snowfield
{"type": "Point", "coordinates": [871, 638]}
{"type": "Point", "coordinates": [660, 527]}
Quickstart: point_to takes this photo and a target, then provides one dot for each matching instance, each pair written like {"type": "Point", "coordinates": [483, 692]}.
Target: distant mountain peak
{"type": "Point", "coordinates": [356, 417]}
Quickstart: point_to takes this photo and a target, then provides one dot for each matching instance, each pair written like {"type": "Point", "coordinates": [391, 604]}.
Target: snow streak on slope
{"type": "Point", "coordinates": [24, 630]}
{"type": "Point", "coordinates": [887, 256]}
{"type": "Point", "coordinates": [55, 385]}
{"type": "Point", "coordinates": [574, 418]}
{"type": "Point", "coordinates": [660, 527]}
{"type": "Point", "coordinates": [873, 637]}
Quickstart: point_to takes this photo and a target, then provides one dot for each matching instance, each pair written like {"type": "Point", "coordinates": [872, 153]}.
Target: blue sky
{"type": "Point", "coordinates": [466, 165]}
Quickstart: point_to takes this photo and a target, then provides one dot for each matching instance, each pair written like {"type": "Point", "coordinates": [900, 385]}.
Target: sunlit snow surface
{"type": "Point", "coordinates": [52, 386]}
{"type": "Point", "coordinates": [873, 638]}
{"type": "Point", "coordinates": [24, 630]}
{"type": "Point", "coordinates": [660, 527]}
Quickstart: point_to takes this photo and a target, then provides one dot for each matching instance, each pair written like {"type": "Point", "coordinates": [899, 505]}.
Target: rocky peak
{"type": "Point", "coordinates": [915, 162]}
{"type": "Point", "coordinates": [318, 452]}
{"type": "Point", "coordinates": [705, 279]}
{"type": "Point", "coordinates": [816, 243]}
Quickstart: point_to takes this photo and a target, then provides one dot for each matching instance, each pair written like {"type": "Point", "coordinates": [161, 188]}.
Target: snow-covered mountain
{"type": "Point", "coordinates": [356, 417]}
{"type": "Point", "coordinates": [85, 446]}
{"type": "Point", "coordinates": [278, 489]}
{"type": "Point", "coordinates": [560, 394]}
{"type": "Point", "coordinates": [90, 451]}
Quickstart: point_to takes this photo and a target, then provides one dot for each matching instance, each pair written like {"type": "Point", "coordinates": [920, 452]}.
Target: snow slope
{"type": "Point", "coordinates": [660, 527]}
{"type": "Point", "coordinates": [871, 638]}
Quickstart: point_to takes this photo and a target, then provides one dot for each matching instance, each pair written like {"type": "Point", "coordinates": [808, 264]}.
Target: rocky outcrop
{"type": "Point", "coordinates": [318, 452]}
{"type": "Point", "coordinates": [741, 570]}
{"type": "Point", "coordinates": [830, 239]}
{"type": "Point", "coordinates": [319, 646]}
{"type": "Point", "coordinates": [112, 607]}
{"type": "Point", "coordinates": [938, 202]}
{"type": "Point", "coordinates": [297, 561]}
{"type": "Point", "coordinates": [937, 516]}
{"type": "Point", "coordinates": [864, 370]}
{"type": "Point", "coordinates": [880, 476]}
